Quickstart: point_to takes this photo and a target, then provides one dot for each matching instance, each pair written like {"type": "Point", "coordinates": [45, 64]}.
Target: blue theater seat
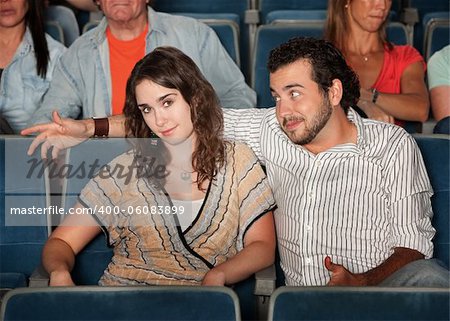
{"type": "Point", "coordinates": [435, 151]}
{"type": "Point", "coordinates": [66, 19]}
{"type": "Point", "coordinates": [54, 29]}
{"type": "Point", "coordinates": [93, 260]}
{"type": "Point", "coordinates": [210, 9]}
{"type": "Point", "coordinates": [173, 303]}
{"type": "Point", "coordinates": [359, 303]}
{"type": "Point", "coordinates": [296, 16]}
{"type": "Point", "coordinates": [22, 190]}
{"type": "Point", "coordinates": [267, 6]}
{"type": "Point", "coordinates": [397, 33]}
{"type": "Point", "coordinates": [303, 15]}
{"type": "Point", "coordinates": [436, 26]}
{"type": "Point", "coordinates": [226, 27]}
{"type": "Point", "coordinates": [423, 8]}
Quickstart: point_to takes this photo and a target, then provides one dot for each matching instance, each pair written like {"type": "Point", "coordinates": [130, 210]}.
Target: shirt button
{"type": "Point", "coordinates": [308, 228]}
{"type": "Point", "coordinates": [308, 261]}
{"type": "Point", "coordinates": [318, 163]}
{"type": "Point", "coordinates": [310, 194]}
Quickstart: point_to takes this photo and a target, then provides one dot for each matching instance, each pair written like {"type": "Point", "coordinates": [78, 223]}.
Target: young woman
{"type": "Point", "coordinates": [27, 60]}
{"type": "Point", "coordinates": [208, 211]}
{"type": "Point", "coordinates": [392, 77]}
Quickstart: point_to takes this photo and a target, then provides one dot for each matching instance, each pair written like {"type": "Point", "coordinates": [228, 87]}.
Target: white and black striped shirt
{"type": "Point", "coordinates": [353, 202]}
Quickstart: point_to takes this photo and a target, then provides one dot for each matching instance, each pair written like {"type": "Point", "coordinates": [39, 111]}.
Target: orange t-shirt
{"type": "Point", "coordinates": [123, 55]}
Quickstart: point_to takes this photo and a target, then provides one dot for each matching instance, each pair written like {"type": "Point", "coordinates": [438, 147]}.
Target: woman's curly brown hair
{"type": "Point", "coordinates": [171, 68]}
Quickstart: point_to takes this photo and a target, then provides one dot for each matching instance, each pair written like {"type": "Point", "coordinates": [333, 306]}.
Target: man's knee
{"type": "Point", "coordinates": [423, 273]}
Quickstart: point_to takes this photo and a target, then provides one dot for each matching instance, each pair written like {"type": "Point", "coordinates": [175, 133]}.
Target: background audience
{"type": "Point", "coordinates": [90, 79]}
{"type": "Point", "coordinates": [439, 85]}
{"type": "Point", "coordinates": [27, 59]}
{"type": "Point", "coordinates": [392, 77]}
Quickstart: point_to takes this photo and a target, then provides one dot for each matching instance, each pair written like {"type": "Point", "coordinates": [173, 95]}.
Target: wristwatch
{"type": "Point", "coordinates": [101, 127]}
{"type": "Point", "coordinates": [375, 94]}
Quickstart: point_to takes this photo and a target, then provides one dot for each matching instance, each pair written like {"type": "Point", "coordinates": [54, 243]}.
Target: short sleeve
{"type": "Point", "coordinates": [244, 125]}
{"type": "Point", "coordinates": [439, 68]}
{"type": "Point", "coordinates": [410, 204]}
{"type": "Point", "coordinates": [255, 194]}
{"type": "Point", "coordinates": [408, 55]}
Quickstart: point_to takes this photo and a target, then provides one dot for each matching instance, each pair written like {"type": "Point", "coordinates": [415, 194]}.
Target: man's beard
{"type": "Point", "coordinates": [311, 127]}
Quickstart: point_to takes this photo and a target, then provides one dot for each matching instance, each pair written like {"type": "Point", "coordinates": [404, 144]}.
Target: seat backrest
{"type": "Point", "coordinates": [436, 32]}
{"type": "Point", "coordinates": [54, 29]}
{"type": "Point", "coordinates": [435, 151]}
{"type": "Point", "coordinates": [397, 33]}
{"type": "Point", "coordinates": [226, 26]}
{"type": "Point", "coordinates": [267, 6]}
{"type": "Point", "coordinates": [425, 7]}
{"type": "Point", "coordinates": [228, 33]}
{"type": "Point", "coordinates": [85, 160]}
{"type": "Point", "coordinates": [210, 9]}
{"type": "Point", "coordinates": [296, 16]}
{"type": "Point", "coordinates": [359, 303]}
{"type": "Point", "coordinates": [90, 25]}
{"type": "Point", "coordinates": [24, 208]}
{"type": "Point", "coordinates": [122, 303]}
{"type": "Point", "coordinates": [67, 20]}
{"type": "Point", "coordinates": [267, 38]}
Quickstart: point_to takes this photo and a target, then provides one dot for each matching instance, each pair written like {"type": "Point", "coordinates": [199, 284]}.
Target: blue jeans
{"type": "Point", "coordinates": [442, 126]}
{"type": "Point", "coordinates": [423, 273]}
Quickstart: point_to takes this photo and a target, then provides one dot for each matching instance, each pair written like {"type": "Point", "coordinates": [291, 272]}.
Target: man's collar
{"type": "Point", "coordinates": [154, 22]}
{"type": "Point", "coordinates": [355, 118]}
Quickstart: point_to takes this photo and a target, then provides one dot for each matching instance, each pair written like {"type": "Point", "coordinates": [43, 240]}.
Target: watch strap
{"type": "Point", "coordinates": [375, 94]}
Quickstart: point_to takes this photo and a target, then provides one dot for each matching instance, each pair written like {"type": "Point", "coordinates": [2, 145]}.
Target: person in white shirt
{"type": "Point", "coordinates": [353, 195]}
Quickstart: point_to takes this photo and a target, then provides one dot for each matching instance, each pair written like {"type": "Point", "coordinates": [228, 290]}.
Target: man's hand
{"type": "Point", "coordinates": [58, 135]}
{"type": "Point", "coordinates": [341, 276]}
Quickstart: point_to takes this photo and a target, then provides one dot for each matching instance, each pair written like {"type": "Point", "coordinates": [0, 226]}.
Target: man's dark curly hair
{"type": "Point", "coordinates": [327, 64]}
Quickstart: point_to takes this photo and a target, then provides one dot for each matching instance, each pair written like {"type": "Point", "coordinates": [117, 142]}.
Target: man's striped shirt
{"type": "Point", "coordinates": [353, 202]}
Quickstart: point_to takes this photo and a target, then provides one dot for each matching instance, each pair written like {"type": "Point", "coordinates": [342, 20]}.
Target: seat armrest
{"type": "Point", "coordinates": [265, 281]}
{"type": "Point", "coordinates": [264, 286]}
{"type": "Point", "coordinates": [39, 278]}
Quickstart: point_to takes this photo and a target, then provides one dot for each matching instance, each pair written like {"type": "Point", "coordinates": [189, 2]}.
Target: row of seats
{"type": "Point", "coordinates": [280, 27]}
{"type": "Point", "coordinates": [243, 18]}
{"type": "Point", "coordinates": [215, 303]}
{"type": "Point", "coordinates": [25, 192]}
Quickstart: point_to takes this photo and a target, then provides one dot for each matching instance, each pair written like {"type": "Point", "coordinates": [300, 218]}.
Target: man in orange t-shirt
{"type": "Point", "coordinates": [90, 78]}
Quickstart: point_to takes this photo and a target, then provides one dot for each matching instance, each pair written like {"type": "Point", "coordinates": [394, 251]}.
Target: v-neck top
{"type": "Point", "coordinates": [149, 244]}
{"type": "Point", "coordinates": [187, 211]}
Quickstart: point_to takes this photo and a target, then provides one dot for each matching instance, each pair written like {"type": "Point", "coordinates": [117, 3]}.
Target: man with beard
{"type": "Point", "coordinates": [353, 194]}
